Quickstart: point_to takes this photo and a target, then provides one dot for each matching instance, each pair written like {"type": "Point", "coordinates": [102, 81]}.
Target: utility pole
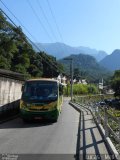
{"type": "Point", "coordinates": [101, 86]}
{"type": "Point", "coordinates": [71, 73]}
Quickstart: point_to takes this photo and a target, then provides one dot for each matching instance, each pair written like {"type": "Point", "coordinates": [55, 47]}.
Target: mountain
{"type": "Point", "coordinates": [112, 61]}
{"type": "Point", "coordinates": [88, 67]}
{"type": "Point", "coordinates": [99, 55]}
{"type": "Point", "coordinates": [61, 50]}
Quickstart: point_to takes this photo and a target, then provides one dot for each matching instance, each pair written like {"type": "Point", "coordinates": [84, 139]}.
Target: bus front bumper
{"type": "Point", "coordinates": [29, 115]}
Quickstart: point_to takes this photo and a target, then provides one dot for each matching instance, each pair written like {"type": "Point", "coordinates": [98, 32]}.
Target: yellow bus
{"type": "Point", "coordinates": [41, 99]}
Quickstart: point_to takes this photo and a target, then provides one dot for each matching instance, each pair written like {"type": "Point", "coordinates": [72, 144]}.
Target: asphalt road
{"type": "Point", "coordinates": [39, 139]}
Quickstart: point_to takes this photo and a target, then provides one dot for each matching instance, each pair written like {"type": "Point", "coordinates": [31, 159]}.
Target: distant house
{"type": "Point", "coordinates": [83, 81]}
{"type": "Point", "coordinates": [62, 79]}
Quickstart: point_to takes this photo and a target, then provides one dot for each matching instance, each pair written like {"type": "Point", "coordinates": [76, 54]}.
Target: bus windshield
{"type": "Point", "coordinates": [40, 90]}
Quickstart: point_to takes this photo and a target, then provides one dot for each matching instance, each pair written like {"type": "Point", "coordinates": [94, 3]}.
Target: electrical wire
{"type": "Point", "coordinates": [58, 30]}
{"type": "Point", "coordinates": [55, 21]}
{"type": "Point", "coordinates": [53, 65]}
{"type": "Point", "coordinates": [42, 48]}
{"type": "Point", "coordinates": [49, 25]}
{"type": "Point", "coordinates": [37, 17]}
{"type": "Point", "coordinates": [17, 20]}
{"type": "Point", "coordinates": [46, 19]}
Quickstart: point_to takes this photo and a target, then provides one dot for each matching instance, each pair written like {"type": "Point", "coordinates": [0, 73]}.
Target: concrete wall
{"type": "Point", "coordinates": [10, 92]}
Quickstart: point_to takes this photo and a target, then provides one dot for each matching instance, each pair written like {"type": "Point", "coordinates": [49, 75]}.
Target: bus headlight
{"type": "Point", "coordinates": [24, 104]}
{"type": "Point", "coordinates": [53, 107]}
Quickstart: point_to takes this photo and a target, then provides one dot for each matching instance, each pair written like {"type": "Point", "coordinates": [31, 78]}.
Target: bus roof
{"type": "Point", "coordinates": [43, 79]}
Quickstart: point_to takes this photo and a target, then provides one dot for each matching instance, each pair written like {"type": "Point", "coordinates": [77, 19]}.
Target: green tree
{"type": "Point", "coordinates": [51, 68]}
{"type": "Point", "coordinates": [17, 54]}
{"type": "Point", "coordinates": [76, 74]}
{"type": "Point", "coordinates": [115, 83]}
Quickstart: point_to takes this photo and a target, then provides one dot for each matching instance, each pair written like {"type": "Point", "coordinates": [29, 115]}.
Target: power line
{"type": "Point", "coordinates": [15, 26]}
{"type": "Point", "coordinates": [49, 24]}
{"type": "Point", "coordinates": [8, 17]}
{"type": "Point", "coordinates": [55, 21]}
{"type": "Point", "coordinates": [46, 19]}
{"type": "Point", "coordinates": [34, 12]}
{"type": "Point", "coordinates": [17, 20]}
{"type": "Point", "coordinates": [52, 65]}
{"type": "Point", "coordinates": [20, 24]}
{"type": "Point", "coordinates": [58, 30]}
{"type": "Point", "coordinates": [23, 27]}
{"type": "Point", "coordinates": [39, 21]}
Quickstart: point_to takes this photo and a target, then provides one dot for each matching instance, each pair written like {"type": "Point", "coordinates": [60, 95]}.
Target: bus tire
{"type": "Point", "coordinates": [54, 120]}
{"type": "Point", "coordinates": [26, 120]}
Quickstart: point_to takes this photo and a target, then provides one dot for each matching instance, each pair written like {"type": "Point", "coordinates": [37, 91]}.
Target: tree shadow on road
{"type": "Point", "coordinates": [19, 123]}
{"type": "Point", "coordinates": [84, 149]}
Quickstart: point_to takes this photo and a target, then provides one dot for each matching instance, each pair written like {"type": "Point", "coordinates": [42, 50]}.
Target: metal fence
{"type": "Point", "coordinates": [110, 123]}
{"type": "Point", "coordinates": [103, 116]}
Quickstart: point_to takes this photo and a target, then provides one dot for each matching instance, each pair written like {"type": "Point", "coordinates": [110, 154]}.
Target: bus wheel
{"type": "Point", "coordinates": [54, 120]}
{"type": "Point", "coordinates": [26, 120]}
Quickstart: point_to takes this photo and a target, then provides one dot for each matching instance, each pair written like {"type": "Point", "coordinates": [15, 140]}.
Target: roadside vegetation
{"type": "Point", "coordinates": [17, 54]}
{"type": "Point", "coordinates": [81, 89]}
{"type": "Point", "coordinates": [98, 103]}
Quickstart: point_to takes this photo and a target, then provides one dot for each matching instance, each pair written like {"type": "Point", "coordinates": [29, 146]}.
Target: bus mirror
{"type": "Point", "coordinates": [22, 88]}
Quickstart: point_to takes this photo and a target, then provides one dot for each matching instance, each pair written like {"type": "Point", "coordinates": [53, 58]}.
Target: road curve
{"type": "Point", "coordinates": [17, 137]}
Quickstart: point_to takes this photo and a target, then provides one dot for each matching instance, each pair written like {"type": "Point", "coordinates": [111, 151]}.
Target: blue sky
{"type": "Point", "coordinates": [89, 23]}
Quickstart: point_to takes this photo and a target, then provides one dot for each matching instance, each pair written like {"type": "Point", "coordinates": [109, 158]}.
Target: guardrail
{"type": "Point", "coordinates": [102, 118]}
{"type": "Point", "coordinates": [109, 122]}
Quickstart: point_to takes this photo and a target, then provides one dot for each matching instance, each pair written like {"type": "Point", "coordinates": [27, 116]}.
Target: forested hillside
{"type": "Point", "coordinates": [61, 50]}
{"type": "Point", "coordinates": [16, 53]}
{"type": "Point", "coordinates": [86, 66]}
{"type": "Point", "coordinates": [112, 61]}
